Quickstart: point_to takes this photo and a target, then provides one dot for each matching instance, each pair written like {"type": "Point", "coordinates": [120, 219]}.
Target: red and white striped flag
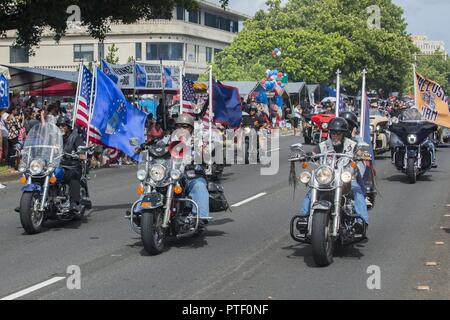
{"type": "Point", "coordinates": [82, 111]}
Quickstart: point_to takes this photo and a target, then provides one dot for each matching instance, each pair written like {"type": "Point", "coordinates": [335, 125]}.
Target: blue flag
{"type": "Point", "coordinates": [106, 68]}
{"type": "Point", "coordinates": [227, 105]}
{"type": "Point", "coordinates": [116, 119]}
{"type": "Point", "coordinates": [141, 76]}
{"type": "Point", "coordinates": [4, 92]}
{"type": "Point", "coordinates": [367, 135]}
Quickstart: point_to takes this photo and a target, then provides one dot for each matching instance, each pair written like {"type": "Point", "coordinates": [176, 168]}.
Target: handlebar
{"type": "Point", "coordinates": [317, 156]}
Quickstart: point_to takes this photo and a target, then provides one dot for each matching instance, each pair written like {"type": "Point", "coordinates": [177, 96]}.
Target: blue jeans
{"type": "Point", "coordinates": [198, 191]}
{"type": "Point", "coordinates": [360, 202]}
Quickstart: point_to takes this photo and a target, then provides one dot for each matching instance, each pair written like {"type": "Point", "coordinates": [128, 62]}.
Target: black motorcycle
{"type": "Point", "coordinates": [413, 152]}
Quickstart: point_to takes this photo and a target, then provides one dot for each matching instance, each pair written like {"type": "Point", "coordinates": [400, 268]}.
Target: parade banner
{"type": "Point", "coordinates": [122, 75]}
{"type": "Point", "coordinates": [430, 99]}
{"type": "Point", "coordinates": [4, 92]}
{"type": "Point", "coordinates": [157, 77]}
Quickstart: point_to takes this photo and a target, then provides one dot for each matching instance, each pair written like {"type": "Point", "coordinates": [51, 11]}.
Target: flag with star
{"type": "Point", "coordinates": [115, 118]}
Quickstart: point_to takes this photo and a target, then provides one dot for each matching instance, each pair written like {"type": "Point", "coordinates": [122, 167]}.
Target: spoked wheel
{"type": "Point", "coordinates": [322, 241]}
{"type": "Point", "coordinates": [152, 232]}
{"type": "Point", "coordinates": [30, 216]}
{"type": "Point", "coordinates": [411, 171]}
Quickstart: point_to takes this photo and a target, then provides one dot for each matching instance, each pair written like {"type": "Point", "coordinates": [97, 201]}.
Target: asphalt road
{"type": "Point", "coordinates": [246, 254]}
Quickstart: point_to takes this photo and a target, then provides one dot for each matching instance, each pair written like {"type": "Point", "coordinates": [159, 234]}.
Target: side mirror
{"type": "Point", "coordinates": [134, 142]}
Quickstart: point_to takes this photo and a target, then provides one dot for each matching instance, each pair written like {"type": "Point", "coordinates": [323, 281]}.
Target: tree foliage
{"type": "Point", "coordinates": [32, 17]}
{"type": "Point", "coordinates": [112, 56]}
{"type": "Point", "coordinates": [435, 67]}
{"type": "Point", "coordinates": [318, 36]}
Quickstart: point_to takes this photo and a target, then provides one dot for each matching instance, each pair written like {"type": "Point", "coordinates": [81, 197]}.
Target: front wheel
{"type": "Point", "coordinates": [152, 233]}
{"type": "Point", "coordinates": [31, 218]}
{"type": "Point", "coordinates": [321, 239]}
{"type": "Point", "coordinates": [411, 170]}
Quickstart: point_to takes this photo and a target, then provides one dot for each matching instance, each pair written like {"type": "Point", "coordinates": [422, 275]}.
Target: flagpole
{"type": "Point", "coordinates": [363, 104]}
{"type": "Point", "coordinates": [211, 89]}
{"type": "Point", "coordinates": [75, 110]}
{"type": "Point", "coordinates": [338, 91]}
{"type": "Point", "coordinates": [181, 90]}
{"type": "Point", "coordinates": [415, 85]}
{"type": "Point", "coordinates": [91, 104]}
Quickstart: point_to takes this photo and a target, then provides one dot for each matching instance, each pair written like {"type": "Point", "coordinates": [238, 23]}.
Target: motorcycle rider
{"type": "Point", "coordinates": [72, 167]}
{"type": "Point", "coordinates": [337, 142]}
{"type": "Point", "coordinates": [353, 134]}
{"type": "Point", "coordinates": [198, 186]}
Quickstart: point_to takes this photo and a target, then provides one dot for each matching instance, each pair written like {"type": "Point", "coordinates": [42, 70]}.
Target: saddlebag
{"type": "Point", "coordinates": [217, 200]}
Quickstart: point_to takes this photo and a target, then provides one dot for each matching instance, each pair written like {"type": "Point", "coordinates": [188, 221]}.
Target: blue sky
{"type": "Point", "coordinates": [424, 17]}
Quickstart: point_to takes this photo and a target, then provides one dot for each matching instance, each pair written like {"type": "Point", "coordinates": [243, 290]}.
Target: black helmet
{"type": "Point", "coordinates": [338, 125]}
{"type": "Point", "coordinates": [63, 120]}
{"type": "Point", "coordinates": [351, 118]}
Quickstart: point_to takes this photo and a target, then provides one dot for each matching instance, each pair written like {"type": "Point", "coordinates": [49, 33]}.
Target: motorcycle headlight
{"type": "Point", "coordinates": [305, 177]}
{"type": "Point", "coordinates": [157, 173]}
{"type": "Point", "coordinates": [141, 175]}
{"type": "Point", "coordinates": [324, 175]}
{"type": "Point", "coordinates": [175, 174]}
{"type": "Point", "coordinates": [325, 125]}
{"type": "Point", "coordinates": [346, 177]}
{"type": "Point", "coordinates": [412, 139]}
{"type": "Point", "coordinates": [378, 128]}
{"type": "Point", "coordinates": [37, 167]}
{"type": "Point", "coordinates": [247, 130]}
{"type": "Point", "coordinates": [372, 128]}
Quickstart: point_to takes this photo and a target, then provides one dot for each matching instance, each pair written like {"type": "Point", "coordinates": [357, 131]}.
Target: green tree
{"type": "Point", "coordinates": [386, 53]}
{"type": "Point", "coordinates": [435, 67]}
{"type": "Point", "coordinates": [31, 17]}
{"type": "Point", "coordinates": [112, 55]}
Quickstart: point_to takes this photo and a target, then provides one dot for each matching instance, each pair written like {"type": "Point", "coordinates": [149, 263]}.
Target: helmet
{"type": "Point", "coordinates": [351, 118]}
{"type": "Point", "coordinates": [185, 119]}
{"type": "Point", "coordinates": [338, 125]}
{"type": "Point", "coordinates": [63, 120]}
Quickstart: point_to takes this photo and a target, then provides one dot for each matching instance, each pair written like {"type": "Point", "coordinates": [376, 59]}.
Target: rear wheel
{"type": "Point", "coordinates": [321, 239]}
{"type": "Point", "coordinates": [411, 170]}
{"type": "Point", "coordinates": [30, 216]}
{"type": "Point", "coordinates": [152, 233]}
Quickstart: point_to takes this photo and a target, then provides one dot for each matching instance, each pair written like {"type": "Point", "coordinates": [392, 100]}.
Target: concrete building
{"type": "Point", "coordinates": [190, 38]}
{"type": "Point", "coordinates": [428, 47]}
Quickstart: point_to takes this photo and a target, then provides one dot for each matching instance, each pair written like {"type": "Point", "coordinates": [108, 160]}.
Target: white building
{"type": "Point", "coordinates": [428, 47]}
{"type": "Point", "coordinates": [190, 38]}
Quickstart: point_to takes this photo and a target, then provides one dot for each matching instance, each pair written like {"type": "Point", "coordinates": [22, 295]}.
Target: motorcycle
{"type": "Point", "coordinates": [413, 151]}
{"type": "Point", "coordinates": [332, 213]}
{"type": "Point", "coordinates": [379, 133]}
{"type": "Point", "coordinates": [164, 209]}
{"type": "Point", "coordinates": [45, 196]}
{"type": "Point", "coordinates": [321, 122]}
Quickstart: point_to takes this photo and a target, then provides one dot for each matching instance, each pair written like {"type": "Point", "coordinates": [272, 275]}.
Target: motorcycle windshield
{"type": "Point", "coordinates": [43, 143]}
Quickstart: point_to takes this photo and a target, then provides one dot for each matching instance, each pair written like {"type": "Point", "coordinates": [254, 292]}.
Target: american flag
{"type": "Point", "coordinates": [190, 102]}
{"type": "Point", "coordinates": [189, 99]}
{"type": "Point", "coordinates": [83, 105]}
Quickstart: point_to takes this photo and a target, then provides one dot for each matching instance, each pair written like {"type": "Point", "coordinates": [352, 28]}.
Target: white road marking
{"type": "Point", "coordinates": [33, 288]}
{"type": "Point", "coordinates": [249, 200]}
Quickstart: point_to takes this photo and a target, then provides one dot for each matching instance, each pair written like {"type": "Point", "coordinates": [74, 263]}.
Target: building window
{"type": "Point", "coordinates": [138, 51]}
{"type": "Point", "coordinates": [235, 26]}
{"type": "Point", "coordinates": [194, 16]}
{"type": "Point", "coordinates": [164, 51]}
{"type": "Point", "coordinates": [214, 21]}
{"type": "Point", "coordinates": [211, 20]}
{"type": "Point", "coordinates": [83, 52]}
{"type": "Point", "coordinates": [101, 51]}
{"type": "Point", "coordinates": [18, 55]}
{"type": "Point", "coordinates": [209, 55]}
{"type": "Point", "coordinates": [180, 13]}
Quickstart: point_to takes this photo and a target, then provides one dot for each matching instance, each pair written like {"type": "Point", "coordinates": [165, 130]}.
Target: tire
{"type": "Point", "coordinates": [153, 240]}
{"type": "Point", "coordinates": [321, 240]}
{"type": "Point", "coordinates": [31, 221]}
{"type": "Point", "coordinates": [410, 170]}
